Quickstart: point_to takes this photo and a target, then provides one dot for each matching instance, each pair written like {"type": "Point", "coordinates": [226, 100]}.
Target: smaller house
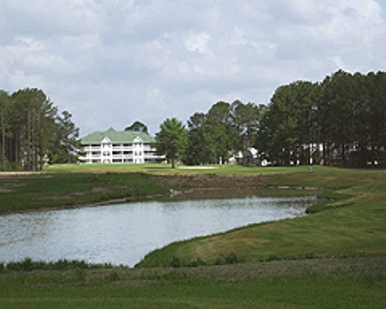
{"type": "Point", "coordinates": [114, 146]}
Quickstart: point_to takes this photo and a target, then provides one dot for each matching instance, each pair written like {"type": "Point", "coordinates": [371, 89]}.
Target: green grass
{"type": "Point", "coordinates": [357, 284]}
{"type": "Point", "coordinates": [167, 170]}
{"type": "Point", "coordinates": [37, 191]}
{"type": "Point", "coordinates": [351, 223]}
{"type": "Point", "coordinates": [348, 226]}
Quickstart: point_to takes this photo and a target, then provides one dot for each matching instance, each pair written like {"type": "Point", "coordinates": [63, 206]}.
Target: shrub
{"type": "Point", "coordinates": [176, 262]}
{"type": "Point", "coordinates": [113, 276]}
{"type": "Point", "coordinates": [27, 265]}
{"type": "Point", "coordinates": [233, 259]}
{"type": "Point", "coordinates": [198, 262]}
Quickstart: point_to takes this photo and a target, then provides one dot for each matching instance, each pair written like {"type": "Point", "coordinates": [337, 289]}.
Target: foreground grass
{"type": "Point", "coordinates": [351, 223]}
{"type": "Point", "coordinates": [358, 283]}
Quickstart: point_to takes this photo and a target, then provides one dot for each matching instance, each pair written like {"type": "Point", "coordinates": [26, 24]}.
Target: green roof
{"type": "Point", "coordinates": [118, 137]}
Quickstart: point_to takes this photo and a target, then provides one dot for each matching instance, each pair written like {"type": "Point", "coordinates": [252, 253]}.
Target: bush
{"type": "Point", "coordinates": [113, 276]}
{"type": "Point", "coordinates": [26, 265]}
{"type": "Point", "coordinates": [233, 259]}
{"type": "Point", "coordinates": [198, 262]}
{"type": "Point", "coordinates": [176, 262]}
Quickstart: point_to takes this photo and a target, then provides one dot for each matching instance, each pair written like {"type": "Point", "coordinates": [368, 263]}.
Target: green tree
{"type": "Point", "coordinates": [197, 151]}
{"type": "Point", "coordinates": [65, 143]}
{"type": "Point", "coordinates": [226, 128]}
{"type": "Point", "coordinates": [288, 128]}
{"type": "Point", "coordinates": [345, 113]}
{"type": "Point", "coordinates": [171, 140]}
{"type": "Point", "coordinates": [219, 131]}
{"type": "Point", "coordinates": [33, 121]}
{"type": "Point", "coordinates": [338, 99]}
{"type": "Point", "coordinates": [4, 106]}
{"type": "Point", "coordinates": [31, 129]}
{"type": "Point", "coordinates": [371, 119]}
{"type": "Point", "coordinates": [138, 127]}
{"type": "Point", "coordinates": [245, 125]}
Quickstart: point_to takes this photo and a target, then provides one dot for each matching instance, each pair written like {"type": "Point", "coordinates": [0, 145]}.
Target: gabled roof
{"type": "Point", "coordinates": [106, 140]}
{"type": "Point", "coordinates": [118, 137]}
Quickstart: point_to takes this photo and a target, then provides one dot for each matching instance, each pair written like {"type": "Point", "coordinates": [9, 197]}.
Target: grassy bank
{"type": "Point", "coordinates": [53, 190]}
{"type": "Point", "coordinates": [352, 224]}
{"type": "Point", "coordinates": [358, 283]}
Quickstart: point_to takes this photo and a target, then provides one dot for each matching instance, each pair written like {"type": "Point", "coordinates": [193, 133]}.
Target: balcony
{"type": "Point", "coordinates": [92, 148]}
{"type": "Point", "coordinates": [121, 148]}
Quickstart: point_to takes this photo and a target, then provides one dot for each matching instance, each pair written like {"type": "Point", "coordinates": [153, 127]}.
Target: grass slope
{"type": "Point", "coordinates": [42, 190]}
{"type": "Point", "coordinates": [296, 284]}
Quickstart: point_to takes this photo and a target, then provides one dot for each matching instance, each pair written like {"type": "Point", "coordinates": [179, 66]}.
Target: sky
{"type": "Point", "coordinates": [112, 62]}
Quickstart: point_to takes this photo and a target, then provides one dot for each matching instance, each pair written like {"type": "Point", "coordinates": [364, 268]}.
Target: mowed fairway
{"type": "Point", "coordinates": [333, 258]}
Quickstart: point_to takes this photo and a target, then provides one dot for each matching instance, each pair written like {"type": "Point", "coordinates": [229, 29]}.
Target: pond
{"type": "Point", "coordinates": [125, 233]}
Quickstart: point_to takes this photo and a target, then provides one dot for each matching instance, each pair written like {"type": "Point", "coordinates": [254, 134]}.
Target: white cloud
{"type": "Point", "coordinates": [197, 42]}
{"type": "Point", "coordinates": [43, 18]}
{"type": "Point", "coordinates": [111, 62]}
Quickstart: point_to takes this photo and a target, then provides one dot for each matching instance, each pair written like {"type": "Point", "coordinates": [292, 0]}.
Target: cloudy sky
{"type": "Point", "coordinates": [112, 62]}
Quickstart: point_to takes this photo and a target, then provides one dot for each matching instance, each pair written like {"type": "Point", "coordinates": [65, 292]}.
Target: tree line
{"type": "Point", "coordinates": [338, 121]}
{"type": "Point", "coordinates": [33, 132]}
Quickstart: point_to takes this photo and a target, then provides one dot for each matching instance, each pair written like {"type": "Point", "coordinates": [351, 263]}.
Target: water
{"type": "Point", "coordinates": [124, 234]}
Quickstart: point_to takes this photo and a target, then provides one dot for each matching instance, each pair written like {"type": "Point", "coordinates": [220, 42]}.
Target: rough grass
{"type": "Point", "coordinates": [42, 190]}
{"type": "Point", "coordinates": [355, 283]}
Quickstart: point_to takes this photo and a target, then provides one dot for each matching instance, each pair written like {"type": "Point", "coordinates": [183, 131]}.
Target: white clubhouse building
{"type": "Point", "coordinates": [119, 147]}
